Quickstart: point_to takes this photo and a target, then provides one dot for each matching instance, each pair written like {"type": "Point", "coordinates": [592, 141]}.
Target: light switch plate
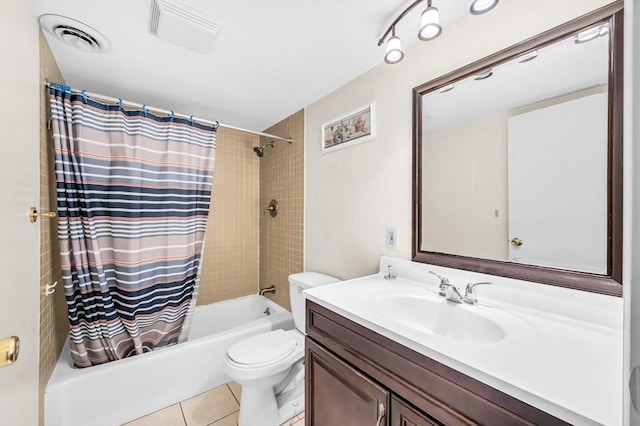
{"type": "Point", "coordinates": [392, 237]}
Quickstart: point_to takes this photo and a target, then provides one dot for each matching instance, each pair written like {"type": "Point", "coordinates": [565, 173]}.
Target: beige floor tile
{"type": "Point", "coordinates": [301, 415]}
{"type": "Point", "coordinates": [210, 406]}
{"type": "Point", "coordinates": [299, 423]}
{"type": "Point", "coordinates": [290, 421]}
{"type": "Point", "coordinates": [230, 420]}
{"type": "Point", "coordinates": [170, 416]}
{"type": "Point", "coordinates": [236, 389]}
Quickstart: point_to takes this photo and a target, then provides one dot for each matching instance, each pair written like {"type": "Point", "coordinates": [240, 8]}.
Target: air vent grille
{"type": "Point", "coordinates": [74, 33]}
{"type": "Point", "coordinates": [178, 23]}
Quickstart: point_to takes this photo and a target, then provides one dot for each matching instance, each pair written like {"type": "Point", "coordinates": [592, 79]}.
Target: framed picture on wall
{"type": "Point", "coordinates": [350, 129]}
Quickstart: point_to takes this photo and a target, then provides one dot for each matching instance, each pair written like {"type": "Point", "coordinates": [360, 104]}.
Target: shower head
{"type": "Point", "coordinates": [259, 150]}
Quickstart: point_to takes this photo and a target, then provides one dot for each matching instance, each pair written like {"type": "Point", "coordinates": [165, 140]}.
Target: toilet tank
{"type": "Point", "coordinates": [299, 282]}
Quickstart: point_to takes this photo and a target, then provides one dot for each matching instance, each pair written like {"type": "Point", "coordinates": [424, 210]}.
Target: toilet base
{"type": "Point", "coordinates": [291, 402]}
{"type": "Point", "coordinates": [263, 407]}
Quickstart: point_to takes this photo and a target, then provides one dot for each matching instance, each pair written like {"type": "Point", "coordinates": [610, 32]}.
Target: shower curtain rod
{"type": "Point", "coordinates": [164, 111]}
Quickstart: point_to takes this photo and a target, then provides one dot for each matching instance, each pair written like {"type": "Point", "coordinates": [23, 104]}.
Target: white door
{"type": "Point", "coordinates": [19, 189]}
{"type": "Point", "coordinates": [557, 161]}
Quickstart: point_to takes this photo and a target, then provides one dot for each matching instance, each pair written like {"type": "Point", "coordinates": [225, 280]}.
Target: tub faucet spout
{"type": "Point", "coordinates": [266, 290]}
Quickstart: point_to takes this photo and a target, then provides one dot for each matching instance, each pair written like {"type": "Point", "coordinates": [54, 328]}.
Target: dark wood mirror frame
{"type": "Point", "coordinates": [609, 283]}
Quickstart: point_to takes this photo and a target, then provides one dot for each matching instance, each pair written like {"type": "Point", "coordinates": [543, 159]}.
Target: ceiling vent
{"type": "Point", "coordinates": [178, 23]}
{"type": "Point", "coordinates": [74, 33]}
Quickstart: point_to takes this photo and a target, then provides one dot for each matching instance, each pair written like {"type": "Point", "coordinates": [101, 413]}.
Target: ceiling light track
{"type": "Point", "coordinates": [430, 27]}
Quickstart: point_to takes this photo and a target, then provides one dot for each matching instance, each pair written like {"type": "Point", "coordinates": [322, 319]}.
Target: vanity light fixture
{"type": "Point", "coordinates": [394, 49]}
{"type": "Point", "coordinates": [430, 27]}
{"type": "Point", "coordinates": [478, 7]}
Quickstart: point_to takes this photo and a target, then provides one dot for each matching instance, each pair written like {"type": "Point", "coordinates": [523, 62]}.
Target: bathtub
{"type": "Point", "coordinates": [121, 391]}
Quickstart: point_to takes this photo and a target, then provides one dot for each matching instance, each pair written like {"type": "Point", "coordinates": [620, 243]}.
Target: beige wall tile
{"type": "Point", "coordinates": [209, 407]}
{"type": "Point", "coordinates": [231, 256]}
{"type": "Point", "coordinates": [282, 178]}
{"type": "Point", "coordinates": [170, 416]}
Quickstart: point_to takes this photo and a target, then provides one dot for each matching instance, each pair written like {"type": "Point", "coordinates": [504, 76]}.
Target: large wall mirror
{"type": "Point", "coordinates": [518, 160]}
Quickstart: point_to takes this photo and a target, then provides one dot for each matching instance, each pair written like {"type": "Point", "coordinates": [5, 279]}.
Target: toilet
{"type": "Point", "coordinates": [270, 366]}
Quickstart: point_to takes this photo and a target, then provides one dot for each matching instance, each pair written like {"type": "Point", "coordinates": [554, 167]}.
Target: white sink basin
{"type": "Point", "coordinates": [429, 313]}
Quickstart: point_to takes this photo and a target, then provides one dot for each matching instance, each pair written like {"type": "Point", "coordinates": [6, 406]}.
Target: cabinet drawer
{"type": "Point", "coordinates": [446, 394]}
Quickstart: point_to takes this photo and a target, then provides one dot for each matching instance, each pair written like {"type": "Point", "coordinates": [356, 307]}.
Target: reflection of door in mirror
{"type": "Point", "coordinates": [521, 152]}
{"type": "Point", "coordinates": [557, 164]}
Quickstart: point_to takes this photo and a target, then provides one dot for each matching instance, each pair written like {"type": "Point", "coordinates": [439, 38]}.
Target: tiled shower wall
{"type": "Point", "coordinates": [232, 248]}
{"type": "Point", "coordinates": [282, 179]}
{"type": "Point", "coordinates": [53, 311]}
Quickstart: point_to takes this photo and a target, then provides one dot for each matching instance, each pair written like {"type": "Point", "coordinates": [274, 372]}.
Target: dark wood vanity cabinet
{"type": "Point", "coordinates": [401, 414]}
{"type": "Point", "coordinates": [355, 377]}
{"type": "Point", "coordinates": [342, 395]}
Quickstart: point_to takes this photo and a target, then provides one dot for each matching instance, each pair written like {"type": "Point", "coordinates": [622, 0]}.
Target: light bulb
{"type": "Point", "coordinates": [484, 75]}
{"type": "Point", "coordinates": [394, 51]}
{"type": "Point", "coordinates": [429, 24]}
{"type": "Point", "coordinates": [478, 7]}
{"type": "Point", "coordinates": [529, 56]}
{"type": "Point", "coordinates": [587, 35]}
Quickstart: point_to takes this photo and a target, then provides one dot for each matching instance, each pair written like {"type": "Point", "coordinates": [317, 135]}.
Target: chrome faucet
{"type": "Point", "coordinates": [452, 294]}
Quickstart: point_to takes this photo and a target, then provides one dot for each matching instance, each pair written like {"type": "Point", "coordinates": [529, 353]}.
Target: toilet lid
{"type": "Point", "coordinates": [262, 348]}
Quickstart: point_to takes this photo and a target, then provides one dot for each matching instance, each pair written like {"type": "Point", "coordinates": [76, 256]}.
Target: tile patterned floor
{"type": "Point", "coordinates": [218, 407]}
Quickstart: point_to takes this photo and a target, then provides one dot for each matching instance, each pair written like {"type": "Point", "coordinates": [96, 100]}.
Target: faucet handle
{"type": "Point", "coordinates": [444, 283]}
{"type": "Point", "coordinates": [470, 292]}
{"type": "Point", "coordinates": [443, 280]}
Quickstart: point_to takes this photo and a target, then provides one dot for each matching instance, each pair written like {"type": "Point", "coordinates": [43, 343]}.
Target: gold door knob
{"type": "Point", "coordinates": [516, 242]}
{"type": "Point", "coordinates": [9, 350]}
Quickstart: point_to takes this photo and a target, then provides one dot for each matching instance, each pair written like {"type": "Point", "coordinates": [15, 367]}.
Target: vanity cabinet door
{"type": "Point", "coordinates": [337, 394]}
{"type": "Point", "coordinates": [402, 414]}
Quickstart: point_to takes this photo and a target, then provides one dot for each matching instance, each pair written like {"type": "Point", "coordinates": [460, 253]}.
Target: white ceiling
{"type": "Point", "coordinates": [561, 68]}
{"type": "Point", "coordinates": [272, 58]}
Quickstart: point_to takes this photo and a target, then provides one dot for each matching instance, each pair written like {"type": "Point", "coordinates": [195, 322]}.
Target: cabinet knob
{"type": "Point", "coordinates": [517, 242]}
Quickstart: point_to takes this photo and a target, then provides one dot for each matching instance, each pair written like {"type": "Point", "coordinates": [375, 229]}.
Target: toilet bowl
{"type": "Point", "coordinates": [270, 366]}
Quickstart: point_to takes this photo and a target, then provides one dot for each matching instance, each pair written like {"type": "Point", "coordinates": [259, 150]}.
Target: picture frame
{"type": "Point", "coordinates": [352, 128]}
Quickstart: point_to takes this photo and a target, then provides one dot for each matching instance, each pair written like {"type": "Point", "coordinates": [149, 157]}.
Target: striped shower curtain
{"type": "Point", "coordinates": [133, 197]}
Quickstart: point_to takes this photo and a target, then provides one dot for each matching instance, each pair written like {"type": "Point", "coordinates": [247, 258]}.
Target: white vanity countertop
{"type": "Point", "coordinates": [564, 363]}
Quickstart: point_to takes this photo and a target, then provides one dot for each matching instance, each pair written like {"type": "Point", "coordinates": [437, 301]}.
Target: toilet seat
{"type": "Point", "coordinates": [275, 359]}
{"type": "Point", "coordinates": [262, 349]}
